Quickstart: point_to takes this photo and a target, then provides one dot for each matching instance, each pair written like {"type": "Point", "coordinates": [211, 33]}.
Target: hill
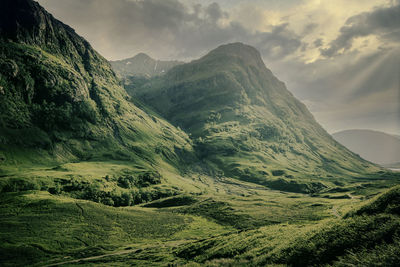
{"type": "Point", "coordinates": [245, 122]}
{"type": "Point", "coordinates": [61, 100]}
{"type": "Point", "coordinates": [142, 65]}
{"type": "Point", "coordinates": [375, 146]}
{"type": "Point", "coordinates": [365, 236]}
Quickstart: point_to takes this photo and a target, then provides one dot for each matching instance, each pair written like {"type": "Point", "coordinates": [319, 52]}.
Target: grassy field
{"type": "Point", "coordinates": [218, 221]}
{"type": "Point", "coordinates": [40, 227]}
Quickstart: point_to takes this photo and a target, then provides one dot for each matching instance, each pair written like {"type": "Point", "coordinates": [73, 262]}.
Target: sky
{"type": "Point", "coordinates": [341, 58]}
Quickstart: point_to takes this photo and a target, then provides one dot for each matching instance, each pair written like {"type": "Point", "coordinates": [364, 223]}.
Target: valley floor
{"type": "Point", "coordinates": [206, 221]}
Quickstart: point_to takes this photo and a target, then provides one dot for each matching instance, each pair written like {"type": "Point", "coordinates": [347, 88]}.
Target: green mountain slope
{"type": "Point", "coordinates": [61, 101]}
{"type": "Point", "coordinates": [142, 65]}
{"type": "Point", "coordinates": [246, 123]}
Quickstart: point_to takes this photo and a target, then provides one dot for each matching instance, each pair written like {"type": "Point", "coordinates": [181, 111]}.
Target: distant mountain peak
{"type": "Point", "coordinates": [142, 65]}
{"type": "Point", "coordinates": [375, 146]}
{"type": "Point", "coordinates": [236, 48]}
{"type": "Point", "coordinates": [247, 53]}
{"type": "Point", "coordinates": [142, 56]}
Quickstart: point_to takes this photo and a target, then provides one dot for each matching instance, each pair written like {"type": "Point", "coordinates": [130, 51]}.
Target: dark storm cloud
{"type": "Point", "coordinates": [215, 12]}
{"type": "Point", "coordinates": [318, 42]}
{"type": "Point", "coordinates": [277, 43]}
{"type": "Point", "coordinates": [309, 28]}
{"type": "Point", "coordinates": [382, 22]}
{"type": "Point", "coordinates": [164, 28]}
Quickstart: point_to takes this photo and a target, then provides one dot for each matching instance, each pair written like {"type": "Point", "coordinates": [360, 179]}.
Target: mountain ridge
{"type": "Point", "coordinates": [375, 146]}
{"type": "Point", "coordinates": [142, 65]}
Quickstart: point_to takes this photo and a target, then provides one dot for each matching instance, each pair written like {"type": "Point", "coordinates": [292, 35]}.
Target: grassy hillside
{"type": "Point", "coordinates": [39, 227]}
{"type": "Point", "coordinates": [365, 237]}
{"type": "Point", "coordinates": [61, 101]}
{"type": "Point", "coordinates": [245, 123]}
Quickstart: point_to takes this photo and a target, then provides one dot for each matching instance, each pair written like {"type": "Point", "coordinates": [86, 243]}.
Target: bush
{"type": "Point", "coordinates": [127, 181]}
{"type": "Point", "coordinates": [132, 194]}
{"type": "Point", "coordinates": [278, 172]}
{"type": "Point", "coordinates": [172, 202]}
{"type": "Point", "coordinates": [142, 180]}
{"type": "Point", "coordinates": [18, 185]}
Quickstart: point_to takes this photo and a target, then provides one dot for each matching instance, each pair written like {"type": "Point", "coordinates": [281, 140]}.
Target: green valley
{"type": "Point", "coordinates": [207, 163]}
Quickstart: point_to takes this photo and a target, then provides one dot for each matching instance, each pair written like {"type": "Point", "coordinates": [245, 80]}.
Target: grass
{"type": "Point", "coordinates": [46, 226]}
{"type": "Point", "coordinates": [227, 221]}
{"type": "Point", "coordinates": [39, 226]}
{"type": "Point", "coordinates": [366, 236]}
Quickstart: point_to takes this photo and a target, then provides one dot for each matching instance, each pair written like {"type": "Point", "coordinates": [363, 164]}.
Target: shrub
{"type": "Point", "coordinates": [142, 180]}
{"type": "Point", "coordinates": [18, 185]}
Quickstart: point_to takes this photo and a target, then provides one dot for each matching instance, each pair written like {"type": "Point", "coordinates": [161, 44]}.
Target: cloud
{"type": "Point", "coordinates": [215, 13]}
{"type": "Point", "coordinates": [165, 28]}
{"type": "Point", "coordinates": [382, 22]}
{"type": "Point", "coordinates": [350, 90]}
{"type": "Point", "coordinates": [277, 43]}
{"type": "Point", "coordinates": [309, 28]}
{"type": "Point", "coordinates": [318, 42]}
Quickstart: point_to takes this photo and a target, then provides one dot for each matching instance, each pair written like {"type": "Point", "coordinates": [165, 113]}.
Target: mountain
{"type": "Point", "coordinates": [61, 100]}
{"type": "Point", "coordinates": [76, 152]}
{"type": "Point", "coordinates": [246, 123]}
{"type": "Point", "coordinates": [375, 146]}
{"type": "Point", "coordinates": [142, 65]}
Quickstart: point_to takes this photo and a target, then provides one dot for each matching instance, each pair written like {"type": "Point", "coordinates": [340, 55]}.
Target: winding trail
{"type": "Point", "coordinates": [334, 209]}
{"type": "Point", "coordinates": [335, 212]}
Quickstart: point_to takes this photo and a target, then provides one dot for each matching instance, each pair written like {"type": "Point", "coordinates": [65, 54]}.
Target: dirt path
{"type": "Point", "coordinates": [335, 212]}
{"type": "Point", "coordinates": [351, 196]}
